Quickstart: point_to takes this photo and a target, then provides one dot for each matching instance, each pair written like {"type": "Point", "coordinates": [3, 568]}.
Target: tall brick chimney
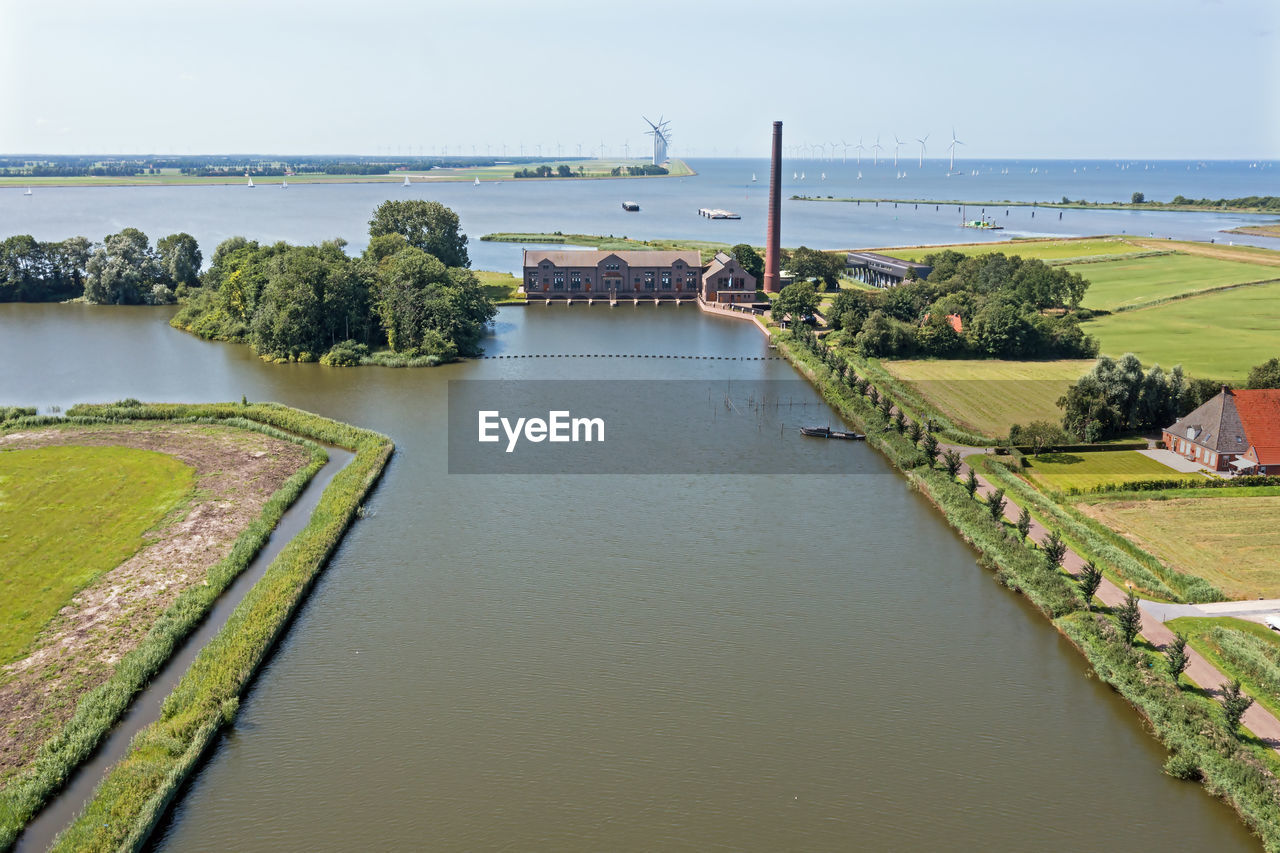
{"type": "Point", "coordinates": [771, 284]}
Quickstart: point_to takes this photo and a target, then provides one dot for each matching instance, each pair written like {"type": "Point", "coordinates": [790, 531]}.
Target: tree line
{"type": "Point", "coordinates": [124, 269]}
{"type": "Point", "coordinates": [410, 291]}
{"type": "Point", "coordinates": [1007, 307]}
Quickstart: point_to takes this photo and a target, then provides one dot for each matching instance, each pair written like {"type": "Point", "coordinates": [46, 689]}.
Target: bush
{"type": "Point", "coordinates": [345, 354]}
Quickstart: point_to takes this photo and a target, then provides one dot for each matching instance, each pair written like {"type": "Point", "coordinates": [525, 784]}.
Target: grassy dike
{"type": "Point", "coordinates": [1189, 724]}
{"type": "Point", "coordinates": [98, 711]}
{"type": "Point", "coordinates": [136, 791]}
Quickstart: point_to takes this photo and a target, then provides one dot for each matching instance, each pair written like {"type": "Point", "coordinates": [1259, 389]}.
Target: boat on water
{"type": "Point", "coordinates": [284, 185]}
{"type": "Point", "coordinates": [753, 177]}
{"type": "Point", "coordinates": [250, 184]}
{"type": "Point", "coordinates": [28, 192]}
{"type": "Point", "coordinates": [406, 181]}
{"type": "Point", "coordinates": [477, 183]}
{"type": "Point", "coordinates": [828, 432]}
{"type": "Point", "coordinates": [631, 206]}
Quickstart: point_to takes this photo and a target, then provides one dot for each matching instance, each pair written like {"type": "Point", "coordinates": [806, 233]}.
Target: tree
{"type": "Point", "coordinates": [1090, 578]}
{"type": "Point", "coordinates": [797, 300]}
{"type": "Point", "coordinates": [930, 447]}
{"type": "Point", "coordinates": [951, 461]}
{"type": "Point", "coordinates": [425, 225]}
{"type": "Point", "coordinates": [1265, 375]}
{"type": "Point", "coordinates": [1024, 523]}
{"type": "Point", "coordinates": [1039, 434]}
{"type": "Point", "coordinates": [750, 260]}
{"type": "Point", "coordinates": [995, 505]}
{"type": "Point", "coordinates": [1129, 617]}
{"type": "Point", "coordinates": [824, 267]}
{"type": "Point", "coordinates": [1137, 198]}
{"type": "Point", "coordinates": [1055, 551]}
{"type": "Point", "coordinates": [971, 483]}
{"type": "Point", "coordinates": [1234, 704]}
{"type": "Point", "coordinates": [180, 258]}
{"type": "Point", "coordinates": [900, 421]}
{"type": "Point", "coordinates": [125, 271]}
{"type": "Point", "coordinates": [428, 309]}
{"type": "Point", "coordinates": [1176, 659]}
{"type": "Point", "coordinates": [913, 432]}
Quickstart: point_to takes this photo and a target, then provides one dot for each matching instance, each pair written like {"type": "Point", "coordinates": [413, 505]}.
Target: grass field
{"type": "Point", "coordinates": [989, 396]}
{"type": "Point", "coordinates": [1229, 541]}
{"type": "Point", "coordinates": [1045, 250]}
{"type": "Point", "coordinates": [1085, 470]}
{"type": "Point", "coordinates": [1242, 649]}
{"type": "Point", "coordinates": [67, 514]}
{"type": "Point", "coordinates": [1126, 283]}
{"type": "Point", "coordinates": [1258, 230]}
{"type": "Point", "coordinates": [1213, 336]}
{"type": "Point", "coordinates": [610, 243]}
{"type": "Point", "coordinates": [500, 286]}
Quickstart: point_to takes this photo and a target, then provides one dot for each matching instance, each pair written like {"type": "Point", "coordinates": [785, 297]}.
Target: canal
{"type": "Point", "coordinates": [632, 661]}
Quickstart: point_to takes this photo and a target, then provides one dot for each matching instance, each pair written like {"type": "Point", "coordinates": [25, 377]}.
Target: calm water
{"type": "Point", "coordinates": [669, 206]}
{"type": "Point", "coordinates": [632, 662]}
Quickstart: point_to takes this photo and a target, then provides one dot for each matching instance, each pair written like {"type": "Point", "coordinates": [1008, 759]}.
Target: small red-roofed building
{"type": "Point", "coordinates": [1236, 431]}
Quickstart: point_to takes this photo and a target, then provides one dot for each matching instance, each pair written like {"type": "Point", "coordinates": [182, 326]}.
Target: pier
{"type": "Point", "coordinates": [717, 213]}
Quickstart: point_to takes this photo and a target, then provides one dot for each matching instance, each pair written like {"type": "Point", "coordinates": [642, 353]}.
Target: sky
{"type": "Point", "coordinates": [1175, 79]}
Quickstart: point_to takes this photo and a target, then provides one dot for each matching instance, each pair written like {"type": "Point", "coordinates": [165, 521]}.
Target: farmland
{"type": "Point", "coordinates": [1045, 250]}
{"type": "Point", "coordinates": [1229, 541]}
{"type": "Point", "coordinates": [1126, 283]}
{"type": "Point", "coordinates": [988, 395]}
{"type": "Point", "coordinates": [1213, 335]}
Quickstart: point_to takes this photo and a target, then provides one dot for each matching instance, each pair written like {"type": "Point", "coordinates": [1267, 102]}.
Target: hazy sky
{"type": "Point", "coordinates": [1086, 78]}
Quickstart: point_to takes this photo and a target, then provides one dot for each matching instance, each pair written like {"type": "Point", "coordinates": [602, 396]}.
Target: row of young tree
{"type": "Point", "coordinates": [1007, 307]}
{"type": "Point", "coordinates": [410, 290]}
{"type": "Point", "coordinates": [124, 269]}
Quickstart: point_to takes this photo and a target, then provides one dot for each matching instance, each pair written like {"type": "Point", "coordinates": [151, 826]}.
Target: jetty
{"type": "Point", "coordinates": [717, 213]}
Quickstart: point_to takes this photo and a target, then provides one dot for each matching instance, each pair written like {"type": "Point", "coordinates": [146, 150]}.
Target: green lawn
{"type": "Point", "coordinates": [988, 395]}
{"type": "Point", "coordinates": [1064, 471]}
{"type": "Point", "coordinates": [1242, 649]}
{"type": "Point", "coordinates": [1213, 336]}
{"type": "Point", "coordinates": [610, 243]}
{"type": "Point", "coordinates": [68, 514]}
{"type": "Point", "coordinates": [1229, 541]}
{"type": "Point", "coordinates": [1128, 282]}
{"type": "Point", "coordinates": [500, 286]}
{"type": "Point", "coordinates": [1045, 250]}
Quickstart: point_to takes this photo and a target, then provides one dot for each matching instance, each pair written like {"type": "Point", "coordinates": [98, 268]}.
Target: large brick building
{"type": "Point", "coordinates": [1235, 431]}
{"type": "Point", "coordinates": [635, 274]}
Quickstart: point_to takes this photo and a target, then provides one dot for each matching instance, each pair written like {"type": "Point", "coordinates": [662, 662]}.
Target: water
{"type": "Point", "coordinates": [310, 213]}
{"type": "Point", "coordinates": [632, 662]}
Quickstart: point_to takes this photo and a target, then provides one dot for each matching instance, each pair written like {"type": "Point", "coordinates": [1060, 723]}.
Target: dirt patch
{"type": "Point", "coordinates": [236, 472]}
{"type": "Point", "coordinates": [1240, 254]}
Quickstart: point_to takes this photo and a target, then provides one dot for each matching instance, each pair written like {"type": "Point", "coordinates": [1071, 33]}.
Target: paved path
{"type": "Point", "coordinates": [1254, 611]}
{"type": "Point", "coordinates": [1257, 719]}
{"type": "Point", "coordinates": [1177, 462]}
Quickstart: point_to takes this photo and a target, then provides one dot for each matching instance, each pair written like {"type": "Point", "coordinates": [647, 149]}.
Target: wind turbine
{"type": "Point", "coordinates": [821, 148]}
{"type": "Point", "coordinates": [844, 156]}
{"type": "Point", "coordinates": [877, 148]}
{"type": "Point", "coordinates": [952, 146]}
{"type": "Point", "coordinates": [921, 141]}
{"type": "Point", "coordinates": [832, 158]}
{"type": "Point", "coordinates": [859, 148]}
{"type": "Point", "coordinates": [897, 143]}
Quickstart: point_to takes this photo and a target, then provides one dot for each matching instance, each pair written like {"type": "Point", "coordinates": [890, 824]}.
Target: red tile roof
{"type": "Point", "coordinates": [1260, 415]}
{"type": "Point", "coordinates": [955, 321]}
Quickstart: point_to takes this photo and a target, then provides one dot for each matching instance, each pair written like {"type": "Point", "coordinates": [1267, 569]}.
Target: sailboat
{"type": "Point", "coordinates": [793, 176]}
{"type": "Point", "coordinates": [824, 176]}
{"type": "Point", "coordinates": [406, 181]}
{"type": "Point", "coordinates": [477, 183]}
{"type": "Point", "coordinates": [753, 177]}
{"type": "Point", "coordinates": [802, 176]}
{"type": "Point", "coordinates": [28, 192]}
{"type": "Point", "coordinates": [284, 185]}
{"type": "Point", "coordinates": [250, 183]}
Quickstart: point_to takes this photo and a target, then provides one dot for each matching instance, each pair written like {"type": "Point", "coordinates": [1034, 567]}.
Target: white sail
{"type": "Point", "coordinates": [477, 183]}
{"type": "Point", "coordinates": [250, 182]}
{"type": "Point", "coordinates": [406, 181]}
{"type": "Point", "coordinates": [28, 192]}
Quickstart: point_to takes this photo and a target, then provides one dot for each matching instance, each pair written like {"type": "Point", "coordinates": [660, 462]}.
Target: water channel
{"type": "Point", "coordinates": [796, 661]}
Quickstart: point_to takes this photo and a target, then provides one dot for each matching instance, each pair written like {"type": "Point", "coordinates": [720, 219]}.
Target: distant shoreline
{"type": "Point", "coordinates": [488, 175]}
{"type": "Point", "coordinates": [1074, 205]}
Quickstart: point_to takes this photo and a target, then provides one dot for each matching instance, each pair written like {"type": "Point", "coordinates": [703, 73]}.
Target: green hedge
{"type": "Point", "coordinates": [1250, 481]}
{"type": "Point", "coordinates": [98, 711]}
{"type": "Point", "coordinates": [137, 790]}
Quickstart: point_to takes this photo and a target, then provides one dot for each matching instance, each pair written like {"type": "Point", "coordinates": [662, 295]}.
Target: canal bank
{"type": "Point", "coordinates": [1188, 724]}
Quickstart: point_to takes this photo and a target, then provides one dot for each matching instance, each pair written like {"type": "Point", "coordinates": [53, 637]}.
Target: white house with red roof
{"type": "Point", "coordinates": [1236, 431]}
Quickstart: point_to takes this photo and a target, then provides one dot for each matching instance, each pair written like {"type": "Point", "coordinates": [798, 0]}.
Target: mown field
{"type": "Point", "coordinates": [609, 244]}
{"type": "Point", "coordinates": [1125, 283]}
{"type": "Point", "coordinates": [1214, 335]}
{"type": "Point", "coordinates": [500, 286]}
{"type": "Point", "coordinates": [1045, 250]}
{"type": "Point", "coordinates": [988, 395]}
{"type": "Point", "coordinates": [67, 514]}
{"type": "Point", "coordinates": [1231, 542]}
